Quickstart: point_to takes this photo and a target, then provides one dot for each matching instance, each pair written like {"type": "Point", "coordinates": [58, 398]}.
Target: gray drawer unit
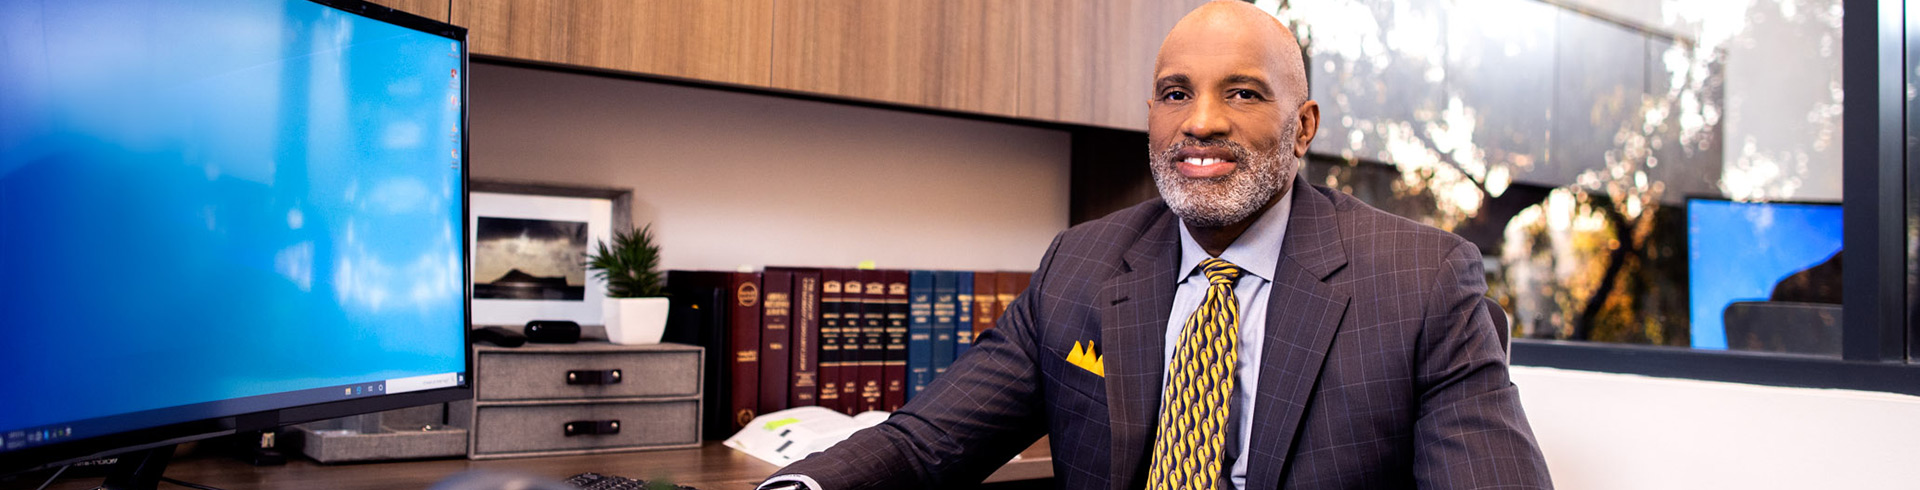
{"type": "Point", "coordinates": [524, 430]}
{"type": "Point", "coordinates": [590, 397]}
{"type": "Point", "coordinates": [586, 370]}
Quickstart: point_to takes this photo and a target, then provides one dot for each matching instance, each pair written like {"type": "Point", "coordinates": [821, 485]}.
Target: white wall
{"type": "Point", "coordinates": [730, 179]}
{"type": "Point", "coordinates": [1616, 431]}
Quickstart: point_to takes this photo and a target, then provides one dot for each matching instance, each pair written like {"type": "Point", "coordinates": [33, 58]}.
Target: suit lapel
{"type": "Point", "coordinates": [1303, 312]}
{"type": "Point", "coordinates": [1133, 317]}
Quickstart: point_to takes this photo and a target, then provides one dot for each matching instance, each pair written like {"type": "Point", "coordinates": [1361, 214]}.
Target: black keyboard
{"type": "Point", "coordinates": [596, 481]}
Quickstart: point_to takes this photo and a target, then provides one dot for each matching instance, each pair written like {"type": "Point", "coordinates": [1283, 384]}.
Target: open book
{"type": "Point", "coordinates": [788, 435]}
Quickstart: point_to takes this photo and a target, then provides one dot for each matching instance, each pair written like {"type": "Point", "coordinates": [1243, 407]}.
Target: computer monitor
{"type": "Point", "coordinates": [224, 215]}
{"type": "Point", "coordinates": [1740, 251]}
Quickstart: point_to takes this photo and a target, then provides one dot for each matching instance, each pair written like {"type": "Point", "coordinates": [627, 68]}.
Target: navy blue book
{"type": "Point", "coordinates": [945, 284]}
{"type": "Point", "coordinates": [963, 319]}
{"type": "Point", "coordinates": [919, 332]}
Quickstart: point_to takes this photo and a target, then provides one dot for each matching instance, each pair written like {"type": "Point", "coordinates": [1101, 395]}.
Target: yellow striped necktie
{"type": "Point", "coordinates": [1190, 447]}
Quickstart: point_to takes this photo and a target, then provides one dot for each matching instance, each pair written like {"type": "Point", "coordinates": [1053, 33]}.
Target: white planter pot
{"type": "Point", "coordinates": [632, 321]}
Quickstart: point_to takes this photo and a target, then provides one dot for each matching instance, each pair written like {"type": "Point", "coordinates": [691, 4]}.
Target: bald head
{"type": "Point", "coordinates": [1226, 27]}
{"type": "Point", "coordinates": [1230, 119]}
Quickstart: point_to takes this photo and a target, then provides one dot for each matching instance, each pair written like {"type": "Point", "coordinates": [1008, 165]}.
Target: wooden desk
{"type": "Point", "coordinates": [711, 467]}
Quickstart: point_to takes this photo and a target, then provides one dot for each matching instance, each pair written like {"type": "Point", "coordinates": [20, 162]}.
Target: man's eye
{"type": "Point", "coordinates": [1243, 94]}
{"type": "Point", "coordinates": [1175, 95]}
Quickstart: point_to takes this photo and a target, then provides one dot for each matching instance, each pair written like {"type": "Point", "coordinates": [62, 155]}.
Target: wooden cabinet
{"type": "Point", "coordinates": [432, 9]}
{"type": "Point", "coordinates": [716, 41]}
{"type": "Point", "coordinates": [950, 54]}
{"type": "Point", "coordinates": [1075, 61]}
{"type": "Point", "coordinates": [1091, 61]}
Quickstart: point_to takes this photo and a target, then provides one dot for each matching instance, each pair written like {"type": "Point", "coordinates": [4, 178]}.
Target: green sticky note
{"type": "Point", "coordinates": [781, 423]}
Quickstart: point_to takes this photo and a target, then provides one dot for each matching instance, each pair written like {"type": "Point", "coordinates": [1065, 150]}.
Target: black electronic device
{"type": "Point", "coordinates": [297, 173]}
{"type": "Point", "coordinates": [596, 481]}
{"type": "Point", "coordinates": [500, 336]}
{"type": "Point", "coordinates": [553, 331]}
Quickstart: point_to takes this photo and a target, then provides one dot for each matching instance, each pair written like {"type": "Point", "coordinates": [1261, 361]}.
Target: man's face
{"type": "Point", "coordinates": [1221, 129]}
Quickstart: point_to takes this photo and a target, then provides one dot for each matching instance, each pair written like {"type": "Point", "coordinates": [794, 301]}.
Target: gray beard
{"type": "Point", "coordinates": [1231, 198]}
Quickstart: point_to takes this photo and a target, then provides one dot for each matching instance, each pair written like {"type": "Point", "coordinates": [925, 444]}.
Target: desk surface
{"type": "Point", "coordinates": [711, 467]}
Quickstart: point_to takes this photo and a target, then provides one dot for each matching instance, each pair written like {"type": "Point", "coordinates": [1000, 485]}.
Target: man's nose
{"type": "Point", "coordinates": [1206, 121]}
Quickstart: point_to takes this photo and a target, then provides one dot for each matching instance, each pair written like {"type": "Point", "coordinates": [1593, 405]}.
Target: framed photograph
{"type": "Point", "coordinates": [529, 244]}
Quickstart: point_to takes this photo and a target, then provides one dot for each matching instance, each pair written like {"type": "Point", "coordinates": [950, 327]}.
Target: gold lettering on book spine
{"type": "Point", "coordinates": [778, 304]}
{"type": "Point", "coordinates": [807, 301]}
{"type": "Point", "coordinates": [748, 294]}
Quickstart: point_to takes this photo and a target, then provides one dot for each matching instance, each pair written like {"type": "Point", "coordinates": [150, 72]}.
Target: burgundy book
{"type": "Point", "coordinates": [805, 349]}
{"type": "Point", "coordinates": [776, 335]}
{"type": "Point", "coordinates": [745, 339]}
{"type": "Point", "coordinates": [985, 302]}
{"type": "Point", "coordinates": [1007, 286]}
{"type": "Point", "coordinates": [853, 309]}
{"type": "Point", "coordinates": [895, 366]}
{"type": "Point", "coordinates": [873, 340]}
{"type": "Point", "coordinates": [829, 365]}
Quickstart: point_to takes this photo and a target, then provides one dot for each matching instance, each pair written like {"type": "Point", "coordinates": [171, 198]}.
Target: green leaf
{"type": "Point", "coordinates": [630, 265]}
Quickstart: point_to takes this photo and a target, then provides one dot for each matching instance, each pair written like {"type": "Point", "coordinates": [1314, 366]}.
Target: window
{"type": "Point", "coordinates": [1652, 180]}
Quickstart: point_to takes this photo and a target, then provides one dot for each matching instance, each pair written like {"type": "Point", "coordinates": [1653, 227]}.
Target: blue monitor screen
{"type": "Point", "coordinates": [213, 207]}
{"type": "Point", "coordinates": [1738, 251]}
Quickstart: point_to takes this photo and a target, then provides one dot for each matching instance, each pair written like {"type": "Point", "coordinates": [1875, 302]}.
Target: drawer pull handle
{"type": "Point", "coordinates": [592, 428]}
{"type": "Point", "coordinates": [600, 377]}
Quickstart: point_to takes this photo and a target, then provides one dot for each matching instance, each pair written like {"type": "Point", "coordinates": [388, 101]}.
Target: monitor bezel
{"type": "Point", "coordinates": [34, 458]}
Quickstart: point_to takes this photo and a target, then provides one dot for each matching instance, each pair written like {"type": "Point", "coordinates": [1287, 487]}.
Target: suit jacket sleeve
{"type": "Point", "coordinates": [968, 423]}
{"type": "Point", "coordinates": [1471, 432]}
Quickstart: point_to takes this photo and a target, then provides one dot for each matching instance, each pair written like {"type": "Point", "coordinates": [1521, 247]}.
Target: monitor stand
{"type": "Point", "coordinates": [138, 470]}
{"type": "Point", "coordinates": [257, 448]}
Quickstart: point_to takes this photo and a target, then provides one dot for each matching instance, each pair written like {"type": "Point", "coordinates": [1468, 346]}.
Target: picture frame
{"type": "Point", "coordinates": [528, 243]}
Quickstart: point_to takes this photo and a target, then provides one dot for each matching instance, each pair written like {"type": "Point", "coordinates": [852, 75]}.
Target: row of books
{"type": "Point", "coordinates": [851, 340]}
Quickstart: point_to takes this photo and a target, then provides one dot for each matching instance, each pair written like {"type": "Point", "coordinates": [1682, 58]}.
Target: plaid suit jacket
{"type": "Point", "coordinates": [1381, 368]}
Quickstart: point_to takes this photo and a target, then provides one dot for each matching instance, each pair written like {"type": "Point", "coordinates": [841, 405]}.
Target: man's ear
{"type": "Point", "coordinates": [1309, 126]}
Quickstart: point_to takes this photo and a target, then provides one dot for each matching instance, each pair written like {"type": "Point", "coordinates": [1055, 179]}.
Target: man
{"type": "Point", "coordinates": [1252, 331]}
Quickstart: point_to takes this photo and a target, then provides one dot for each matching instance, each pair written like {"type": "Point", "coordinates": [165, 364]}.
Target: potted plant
{"type": "Point", "coordinates": [636, 307]}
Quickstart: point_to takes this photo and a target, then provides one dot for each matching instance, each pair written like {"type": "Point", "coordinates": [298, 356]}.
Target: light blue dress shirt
{"type": "Point", "coordinates": [1257, 251]}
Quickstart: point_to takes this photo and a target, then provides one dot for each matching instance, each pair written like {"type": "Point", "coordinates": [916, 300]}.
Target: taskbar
{"type": "Point", "coordinates": [57, 433]}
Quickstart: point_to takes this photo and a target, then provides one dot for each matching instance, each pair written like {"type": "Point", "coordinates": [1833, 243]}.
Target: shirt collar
{"type": "Point", "coordinates": [1257, 251]}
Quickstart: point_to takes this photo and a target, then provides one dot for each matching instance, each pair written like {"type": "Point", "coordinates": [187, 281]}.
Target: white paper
{"type": "Point", "coordinates": [789, 435]}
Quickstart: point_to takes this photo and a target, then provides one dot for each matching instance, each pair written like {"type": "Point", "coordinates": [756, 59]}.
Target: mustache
{"type": "Point", "coordinates": [1240, 153]}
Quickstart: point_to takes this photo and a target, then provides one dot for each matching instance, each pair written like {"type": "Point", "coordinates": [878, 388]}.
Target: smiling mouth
{"type": "Point", "coordinates": [1205, 168]}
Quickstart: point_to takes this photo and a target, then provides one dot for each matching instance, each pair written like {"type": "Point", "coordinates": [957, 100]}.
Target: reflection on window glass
{"type": "Point", "coordinates": [1654, 172]}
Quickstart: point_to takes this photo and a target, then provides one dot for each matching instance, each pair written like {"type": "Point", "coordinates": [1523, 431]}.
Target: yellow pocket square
{"type": "Point", "coordinates": [1085, 358]}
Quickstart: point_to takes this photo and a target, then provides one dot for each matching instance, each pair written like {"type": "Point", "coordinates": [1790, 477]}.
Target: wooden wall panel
{"type": "Point", "coordinates": [951, 54]}
{"type": "Point", "coordinates": [1091, 61]}
{"type": "Point", "coordinates": [432, 9]}
{"type": "Point", "coordinates": [716, 41]}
